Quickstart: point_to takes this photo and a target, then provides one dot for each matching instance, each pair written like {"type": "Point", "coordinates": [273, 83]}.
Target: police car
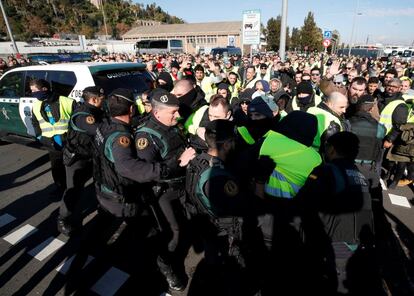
{"type": "Point", "coordinates": [67, 79]}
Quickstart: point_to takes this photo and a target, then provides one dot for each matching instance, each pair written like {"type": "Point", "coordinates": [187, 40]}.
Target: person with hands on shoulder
{"type": "Point", "coordinates": [159, 140]}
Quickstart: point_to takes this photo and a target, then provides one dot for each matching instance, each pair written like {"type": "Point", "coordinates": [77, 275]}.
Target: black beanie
{"type": "Point", "coordinates": [304, 87]}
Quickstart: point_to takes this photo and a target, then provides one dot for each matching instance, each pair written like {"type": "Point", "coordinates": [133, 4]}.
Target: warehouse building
{"type": "Point", "coordinates": [196, 37]}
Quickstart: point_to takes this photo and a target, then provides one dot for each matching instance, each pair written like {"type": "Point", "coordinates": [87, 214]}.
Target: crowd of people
{"type": "Point", "coordinates": [272, 167]}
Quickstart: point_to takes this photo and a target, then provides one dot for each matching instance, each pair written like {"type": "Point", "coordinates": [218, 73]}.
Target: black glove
{"type": "Point", "coordinates": [263, 168]}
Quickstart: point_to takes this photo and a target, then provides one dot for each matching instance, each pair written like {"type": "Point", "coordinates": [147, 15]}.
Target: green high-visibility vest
{"type": "Point", "coordinates": [141, 107]}
{"type": "Point", "coordinates": [386, 114]}
{"type": "Point", "coordinates": [244, 133]}
{"type": "Point", "coordinates": [61, 125]}
{"type": "Point", "coordinates": [193, 122]}
{"type": "Point", "coordinates": [324, 119]}
{"type": "Point", "coordinates": [294, 162]}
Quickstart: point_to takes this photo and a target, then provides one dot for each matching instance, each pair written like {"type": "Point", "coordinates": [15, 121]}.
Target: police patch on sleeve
{"type": "Point", "coordinates": [231, 188]}
{"type": "Point", "coordinates": [124, 141]}
{"type": "Point", "coordinates": [142, 143]}
{"type": "Point", "coordinates": [90, 119]}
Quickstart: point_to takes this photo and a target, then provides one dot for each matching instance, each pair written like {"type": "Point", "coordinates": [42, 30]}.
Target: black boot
{"type": "Point", "coordinates": [65, 226]}
{"type": "Point", "coordinates": [174, 281]}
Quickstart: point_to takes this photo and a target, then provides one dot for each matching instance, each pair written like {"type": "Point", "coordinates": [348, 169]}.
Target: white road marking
{"type": "Point", "coordinates": [46, 248]}
{"type": "Point", "coordinates": [20, 234]}
{"type": "Point", "coordinates": [110, 282]}
{"type": "Point", "coordinates": [399, 200]}
{"type": "Point", "coordinates": [384, 187]}
{"type": "Point", "coordinates": [6, 219]}
{"type": "Point", "coordinates": [64, 267]}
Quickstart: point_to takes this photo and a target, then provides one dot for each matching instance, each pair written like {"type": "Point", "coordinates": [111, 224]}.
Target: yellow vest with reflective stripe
{"type": "Point", "coordinates": [386, 114]}
{"type": "Point", "coordinates": [294, 162]}
{"type": "Point", "coordinates": [61, 125]}
{"type": "Point", "coordinates": [193, 122]}
{"type": "Point", "coordinates": [324, 119]}
{"type": "Point", "coordinates": [234, 89]}
{"type": "Point", "coordinates": [207, 88]}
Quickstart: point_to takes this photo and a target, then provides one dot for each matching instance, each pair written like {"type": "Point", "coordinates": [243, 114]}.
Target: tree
{"type": "Point", "coordinates": [87, 31]}
{"type": "Point", "coordinates": [311, 34]}
{"type": "Point", "coordinates": [295, 41]}
{"type": "Point", "coordinates": [273, 33]}
{"type": "Point", "coordinates": [35, 26]}
{"type": "Point", "coordinates": [121, 29]}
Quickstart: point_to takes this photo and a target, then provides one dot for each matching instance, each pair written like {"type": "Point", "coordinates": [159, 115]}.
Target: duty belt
{"type": "Point", "coordinates": [362, 161]}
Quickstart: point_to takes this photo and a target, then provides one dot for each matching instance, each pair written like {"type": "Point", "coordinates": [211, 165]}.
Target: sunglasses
{"type": "Point", "coordinates": [348, 68]}
{"type": "Point", "coordinates": [245, 103]}
{"type": "Point", "coordinates": [315, 74]}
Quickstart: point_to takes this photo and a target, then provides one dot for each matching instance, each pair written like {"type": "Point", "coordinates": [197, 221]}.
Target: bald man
{"type": "Point", "coordinates": [331, 119]}
{"type": "Point", "coordinates": [191, 99]}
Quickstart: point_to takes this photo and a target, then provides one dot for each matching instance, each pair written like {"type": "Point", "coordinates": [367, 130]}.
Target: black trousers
{"type": "Point", "coordinates": [400, 169]}
{"type": "Point", "coordinates": [58, 168]}
{"type": "Point", "coordinates": [76, 176]}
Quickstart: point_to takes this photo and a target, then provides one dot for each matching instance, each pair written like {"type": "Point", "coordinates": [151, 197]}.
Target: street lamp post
{"type": "Point", "coordinates": [282, 43]}
{"type": "Point", "coordinates": [353, 27]}
{"type": "Point", "coordinates": [8, 28]}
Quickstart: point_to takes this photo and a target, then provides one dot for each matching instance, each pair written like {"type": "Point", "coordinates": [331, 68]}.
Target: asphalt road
{"type": "Point", "coordinates": [36, 260]}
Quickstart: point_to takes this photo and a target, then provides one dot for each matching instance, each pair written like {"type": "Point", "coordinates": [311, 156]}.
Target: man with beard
{"type": "Point", "coordinates": [331, 120]}
{"type": "Point", "coordinates": [394, 111]}
{"type": "Point", "coordinates": [356, 89]}
{"type": "Point", "coordinates": [190, 100]}
{"type": "Point", "coordinates": [305, 98]}
{"type": "Point", "coordinates": [263, 115]}
{"type": "Point", "coordinates": [51, 114]}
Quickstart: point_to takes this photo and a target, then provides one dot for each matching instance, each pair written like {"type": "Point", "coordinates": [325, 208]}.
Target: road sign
{"type": "Point", "coordinates": [251, 27]}
{"type": "Point", "coordinates": [327, 35]}
{"type": "Point", "coordinates": [326, 43]}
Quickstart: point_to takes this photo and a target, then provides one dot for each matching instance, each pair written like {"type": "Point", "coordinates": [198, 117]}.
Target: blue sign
{"type": "Point", "coordinates": [327, 35]}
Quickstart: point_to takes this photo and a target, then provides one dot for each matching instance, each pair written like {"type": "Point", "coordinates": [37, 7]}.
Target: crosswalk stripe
{"type": "Point", "coordinates": [6, 219]}
{"type": "Point", "coordinates": [399, 200]}
{"type": "Point", "coordinates": [384, 187]}
{"type": "Point", "coordinates": [46, 248]}
{"type": "Point", "coordinates": [64, 267]}
{"type": "Point", "coordinates": [110, 282]}
{"type": "Point", "coordinates": [20, 234]}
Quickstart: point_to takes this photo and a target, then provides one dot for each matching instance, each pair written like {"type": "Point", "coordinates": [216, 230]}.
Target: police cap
{"type": "Point", "coordinates": [166, 98]}
{"type": "Point", "coordinates": [223, 130]}
{"type": "Point", "coordinates": [94, 90]}
{"type": "Point", "coordinates": [366, 99]}
{"type": "Point", "coordinates": [123, 93]}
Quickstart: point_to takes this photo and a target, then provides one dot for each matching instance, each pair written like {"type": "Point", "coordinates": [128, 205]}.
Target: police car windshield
{"type": "Point", "coordinates": [134, 79]}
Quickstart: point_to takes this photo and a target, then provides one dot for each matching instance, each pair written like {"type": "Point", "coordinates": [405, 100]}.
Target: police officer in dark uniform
{"type": "Point", "coordinates": [216, 203]}
{"type": "Point", "coordinates": [335, 207]}
{"type": "Point", "coordinates": [120, 175]}
{"type": "Point", "coordinates": [77, 154]}
{"type": "Point", "coordinates": [159, 140]}
{"type": "Point", "coordinates": [370, 134]}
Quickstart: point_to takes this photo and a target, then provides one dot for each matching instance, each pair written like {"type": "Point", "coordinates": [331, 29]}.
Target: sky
{"type": "Point", "coordinates": [379, 21]}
